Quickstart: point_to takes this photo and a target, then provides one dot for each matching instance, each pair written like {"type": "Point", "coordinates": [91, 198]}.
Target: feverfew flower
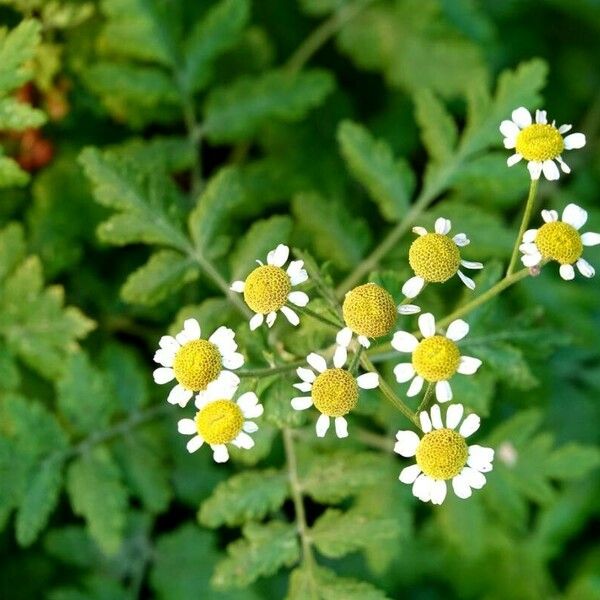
{"type": "Point", "coordinates": [435, 258]}
{"type": "Point", "coordinates": [539, 143]}
{"type": "Point", "coordinates": [221, 421]}
{"type": "Point", "coordinates": [333, 391]}
{"type": "Point", "coordinates": [560, 241]}
{"type": "Point", "coordinates": [268, 288]}
{"type": "Point", "coordinates": [442, 454]}
{"type": "Point", "coordinates": [196, 363]}
{"type": "Point", "coordinates": [436, 358]}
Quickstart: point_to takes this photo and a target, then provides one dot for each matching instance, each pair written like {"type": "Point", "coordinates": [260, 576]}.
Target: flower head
{"type": "Point", "coordinates": [435, 359]}
{"type": "Point", "coordinates": [560, 241]}
{"type": "Point", "coordinates": [539, 143]}
{"type": "Point", "coordinates": [333, 391]}
{"type": "Point", "coordinates": [268, 288]}
{"type": "Point", "coordinates": [442, 454]}
{"type": "Point", "coordinates": [435, 258]}
{"type": "Point", "coordinates": [220, 421]}
{"type": "Point", "coordinates": [195, 363]}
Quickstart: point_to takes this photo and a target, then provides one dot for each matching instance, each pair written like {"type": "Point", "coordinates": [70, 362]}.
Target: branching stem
{"type": "Point", "coordinates": [524, 223]}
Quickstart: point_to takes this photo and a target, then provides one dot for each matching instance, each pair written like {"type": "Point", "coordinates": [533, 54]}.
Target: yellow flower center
{"type": "Point", "coordinates": [219, 422]}
{"type": "Point", "coordinates": [335, 392]}
{"type": "Point", "coordinates": [539, 142]}
{"type": "Point", "coordinates": [434, 257]}
{"type": "Point", "coordinates": [560, 242]}
{"type": "Point", "coordinates": [369, 310]}
{"type": "Point", "coordinates": [436, 358]}
{"type": "Point", "coordinates": [196, 364]}
{"type": "Point", "coordinates": [442, 453]}
{"type": "Point", "coordinates": [266, 289]}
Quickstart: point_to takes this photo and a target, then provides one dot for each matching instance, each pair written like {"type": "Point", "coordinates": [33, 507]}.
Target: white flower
{"type": "Point", "coordinates": [442, 454]}
{"type": "Point", "coordinates": [434, 359]}
{"type": "Point", "coordinates": [221, 421]}
{"type": "Point", "coordinates": [435, 258]}
{"type": "Point", "coordinates": [268, 288]}
{"type": "Point", "coordinates": [333, 391]}
{"type": "Point", "coordinates": [560, 241]}
{"type": "Point", "coordinates": [196, 363]}
{"type": "Point", "coordinates": [539, 143]}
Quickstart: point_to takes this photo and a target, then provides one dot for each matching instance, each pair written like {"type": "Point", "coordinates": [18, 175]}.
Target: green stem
{"type": "Point", "coordinates": [266, 371]}
{"type": "Point", "coordinates": [524, 223]}
{"type": "Point", "coordinates": [426, 398]}
{"type": "Point", "coordinates": [355, 360]}
{"type": "Point", "coordinates": [311, 313]}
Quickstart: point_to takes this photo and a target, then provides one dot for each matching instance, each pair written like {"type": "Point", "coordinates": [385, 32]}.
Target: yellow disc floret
{"type": "Point", "coordinates": [434, 257]}
{"type": "Point", "coordinates": [369, 310]}
{"type": "Point", "coordinates": [266, 289]}
{"type": "Point", "coordinates": [436, 358]}
{"type": "Point", "coordinates": [335, 392]}
{"type": "Point", "coordinates": [560, 242]}
{"type": "Point", "coordinates": [196, 364]}
{"type": "Point", "coordinates": [539, 142]}
{"type": "Point", "coordinates": [219, 422]}
{"type": "Point", "coordinates": [442, 453]}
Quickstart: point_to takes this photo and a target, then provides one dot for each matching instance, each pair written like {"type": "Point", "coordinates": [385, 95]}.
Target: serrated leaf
{"type": "Point", "coordinates": [438, 129]}
{"type": "Point", "coordinates": [10, 173]}
{"type": "Point", "coordinates": [16, 49]}
{"type": "Point", "coordinates": [238, 111]}
{"type": "Point", "coordinates": [508, 362]}
{"type": "Point", "coordinates": [572, 461]}
{"type": "Point", "coordinates": [12, 248]}
{"type": "Point", "coordinates": [97, 494]}
{"type": "Point", "coordinates": [244, 497]}
{"type": "Point", "coordinates": [17, 115]}
{"type": "Point", "coordinates": [390, 182]}
{"type": "Point", "coordinates": [263, 550]}
{"type": "Point", "coordinates": [277, 401]}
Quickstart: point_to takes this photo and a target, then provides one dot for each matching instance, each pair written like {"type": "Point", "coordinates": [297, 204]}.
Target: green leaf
{"type": "Point", "coordinates": [262, 237]}
{"type": "Point", "coordinates": [276, 397]}
{"type": "Point", "coordinates": [572, 461]}
{"type": "Point", "coordinates": [219, 30]}
{"type": "Point", "coordinates": [239, 110]}
{"type": "Point", "coordinates": [390, 183]}
{"type": "Point", "coordinates": [97, 494]}
{"type": "Point", "coordinates": [18, 115]}
{"type": "Point", "coordinates": [508, 362]}
{"type": "Point", "coordinates": [16, 50]}
{"type": "Point", "coordinates": [262, 552]}
{"type": "Point", "coordinates": [39, 501]}
{"type": "Point", "coordinates": [338, 533]}
{"type": "Point", "coordinates": [165, 273]}
{"type": "Point", "coordinates": [12, 248]}
{"type": "Point", "coordinates": [244, 497]}
{"type": "Point", "coordinates": [438, 129]}
{"type": "Point", "coordinates": [11, 175]}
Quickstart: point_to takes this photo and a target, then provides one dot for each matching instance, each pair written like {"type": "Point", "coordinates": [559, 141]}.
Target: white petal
{"type": "Point", "coordinates": [514, 159]}
{"type": "Point", "coordinates": [590, 238]}
{"type": "Point", "coordinates": [250, 427]}
{"type": "Point", "coordinates": [404, 341]}
{"type": "Point", "coordinates": [438, 492]}
{"type": "Point", "coordinates": [563, 165]}
{"type": "Point", "coordinates": [535, 169]}
{"type": "Point", "coordinates": [415, 387]}
{"type": "Point", "coordinates": [243, 440]}
{"type": "Point", "coordinates": [220, 453]}
{"type": "Point", "coordinates": [565, 128]}
{"type": "Point", "coordinates": [340, 356]}
{"type": "Point", "coordinates": [457, 330]}
{"type": "Point", "coordinates": [368, 381]}
{"type": "Point", "coordinates": [279, 256]}
{"type": "Point", "coordinates": [574, 141]}
{"type": "Point", "coordinates": [237, 286]}
{"type": "Point", "coordinates": [225, 384]}
{"type": "Point", "coordinates": [574, 215]}
{"type": "Point", "coordinates": [163, 375]}
{"type": "Point", "coordinates": [425, 421]}
{"type": "Point", "coordinates": [302, 402]}
{"type": "Point", "coordinates": [419, 230]}
{"type": "Point", "coordinates": [529, 236]}
{"type": "Point", "coordinates": [422, 487]}
{"type": "Point", "coordinates": [436, 417]}
{"type": "Point", "coordinates": [256, 321]}
{"type": "Point", "coordinates": [540, 117]}
{"type": "Point", "coordinates": [549, 216]}
{"type": "Point", "coordinates": [164, 357]}
{"type": "Point", "coordinates": [471, 264]}
{"type": "Point", "coordinates": [296, 272]}
{"type": "Point", "coordinates": [168, 342]}
{"type": "Point", "coordinates": [483, 453]}
{"type": "Point", "coordinates": [470, 425]}
{"type": "Point", "coordinates": [318, 363]}
{"type": "Point", "coordinates": [413, 286]}
{"type": "Point", "coordinates": [322, 425]}
{"type": "Point", "coordinates": [271, 318]}
{"type": "Point", "coordinates": [407, 443]}
{"type": "Point", "coordinates": [443, 391]}
{"type": "Point", "coordinates": [567, 272]}
{"type": "Point", "coordinates": [247, 401]}
{"type": "Point", "coordinates": [474, 478]}
{"type": "Point", "coordinates": [509, 129]}
{"type": "Point", "coordinates": [254, 412]}
{"type": "Point", "coordinates": [468, 365]}
{"type": "Point", "coordinates": [306, 374]}
{"type": "Point", "coordinates": [192, 329]}
{"type": "Point", "coordinates": [550, 170]}
{"type": "Point", "coordinates": [186, 426]}
{"type": "Point", "coordinates": [409, 474]}
{"type": "Point", "coordinates": [466, 280]}
{"type": "Point", "coordinates": [510, 143]}
{"type": "Point", "coordinates": [298, 298]}
{"type": "Point", "coordinates": [528, 248]}
{"type": "Point", "coordinates": [179, 395]}
{"type": "Point", "coordinates": [194, 444]}
{"type": "Point", "coordinates": [409, 309]}
{"type": "Point", "coordinates": [404, 372]}
{"type": "Point", "coordinates": [224, 339]}
{"type": "Point", "coordinates": [290, 315]}
{"type": "Point", "coordinates": [427, 324]}
{"type": "Point", "coordinates": [363, 341]}
{"type": "Point", "coordinates": [304, 386]}
{"type": "Point", "coordinates": [461, 487]}
{"type": "Point", "coordinates": [531, 260]}
{"type": "Point", "coordinates": [522, 117]}
{"type": "Point", "coordinates": [461, 240]}
{"type": "Point", "coordinates": [344, 337]}
{"type": "Point", "coordinates": [454, 415]}
{"type": "Point", "coordinates": [341, 427]}
{"type": "Point", "coordinates": [442, 226]}
{"type": "Point", "coordinates": [233, 361]}
{"type": "Point", "coordinates": [585, 268]}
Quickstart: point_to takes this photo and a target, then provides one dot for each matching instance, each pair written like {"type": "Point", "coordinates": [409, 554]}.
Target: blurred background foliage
{"type": "Point", "coordinates": [150, 150]}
